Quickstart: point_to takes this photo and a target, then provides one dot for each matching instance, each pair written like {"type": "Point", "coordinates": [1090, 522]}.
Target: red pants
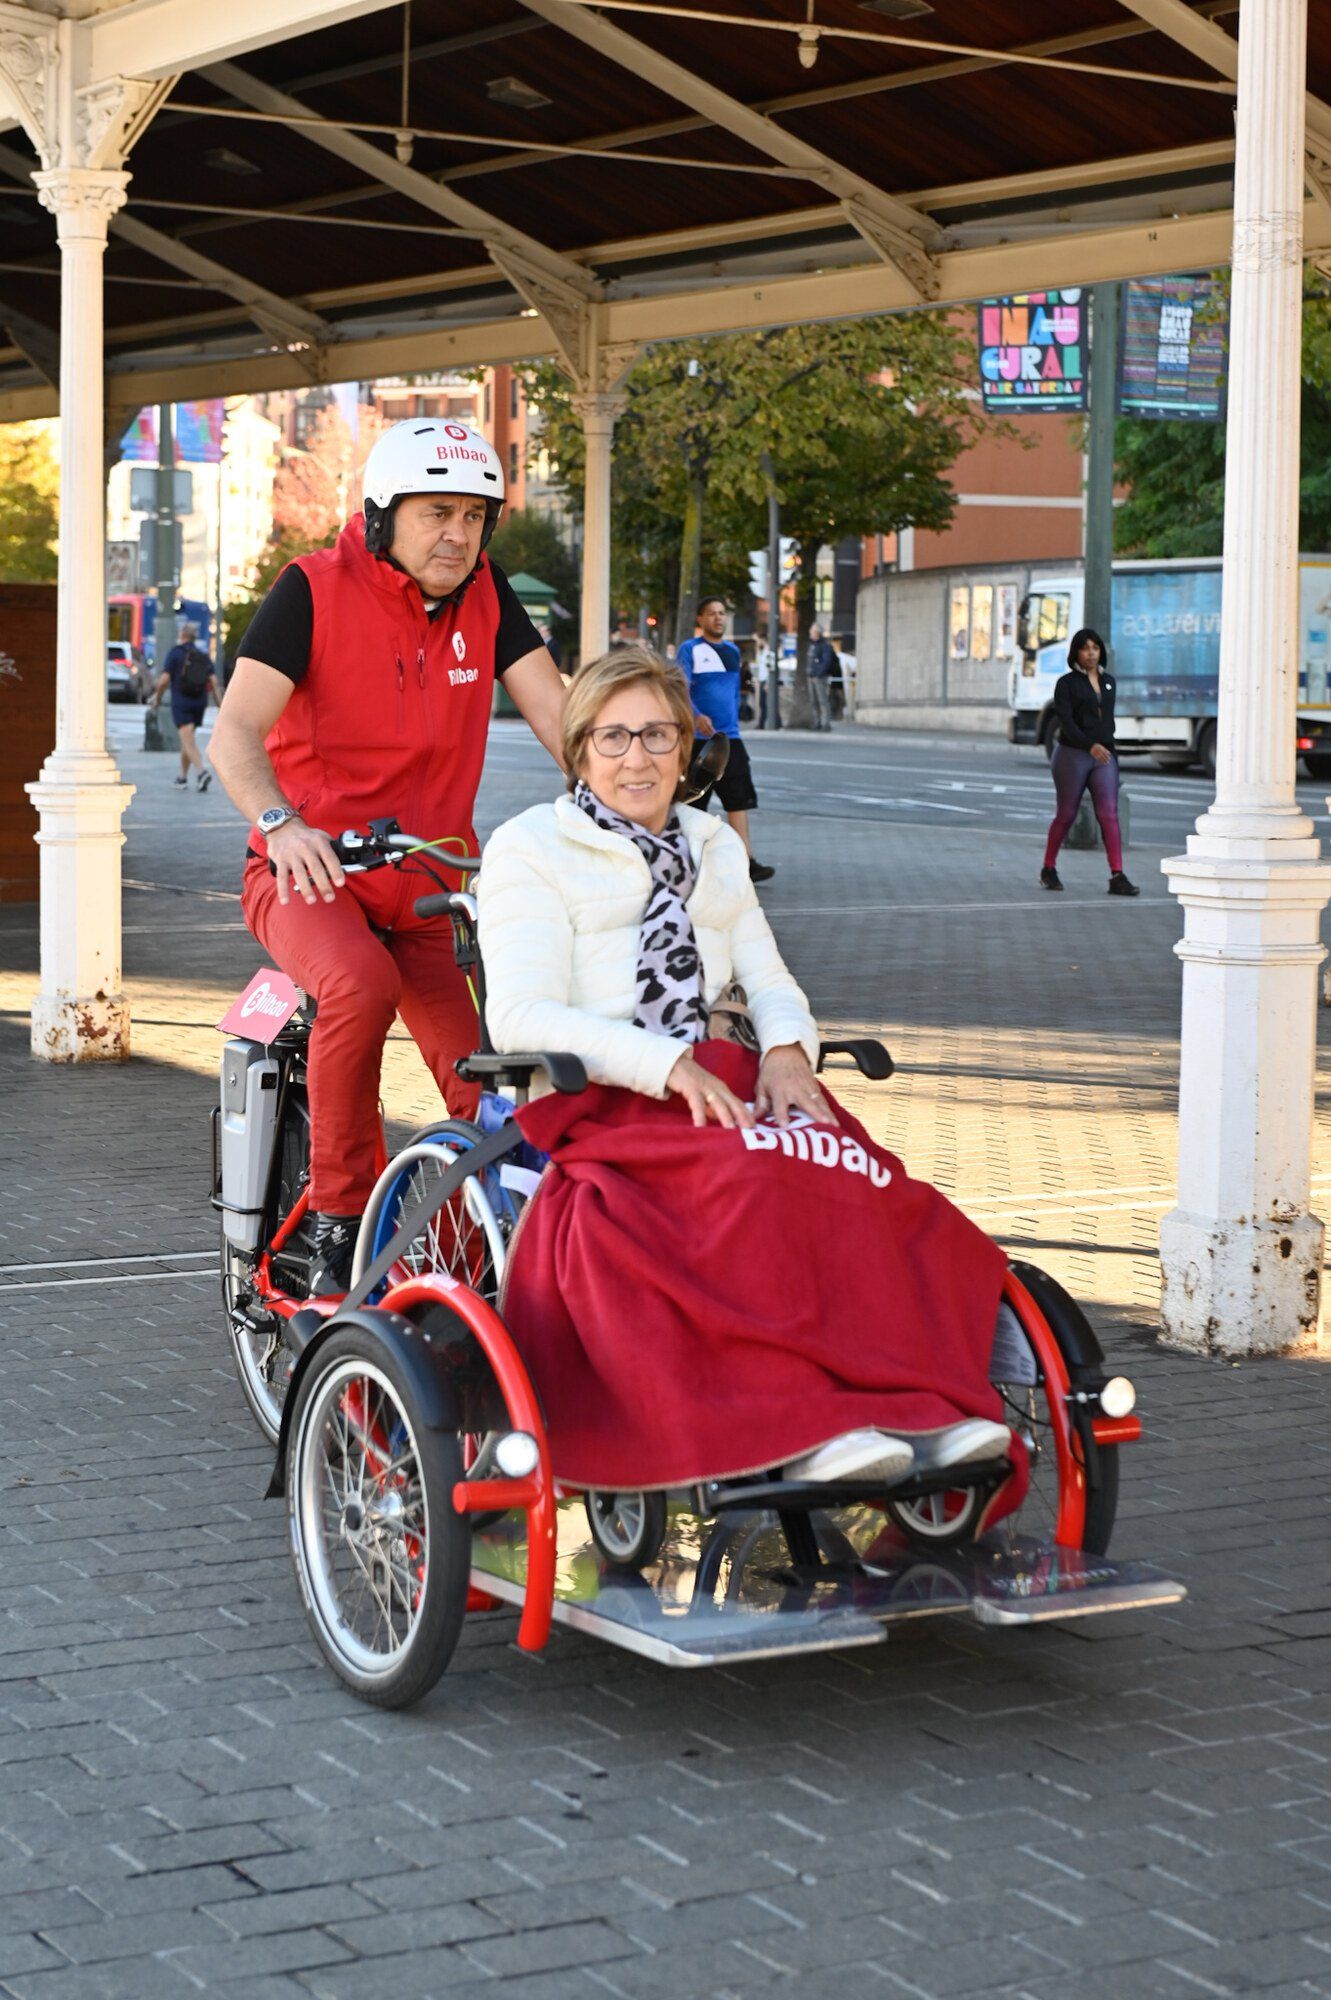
{"type": "Point", "coordinates": [361, 979]}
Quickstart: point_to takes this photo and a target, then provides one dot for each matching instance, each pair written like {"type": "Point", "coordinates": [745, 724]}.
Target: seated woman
{"type": "Point", "coordinates": [721, 1272]}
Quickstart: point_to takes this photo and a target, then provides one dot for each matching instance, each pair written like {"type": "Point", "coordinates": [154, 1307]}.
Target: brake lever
{"type": "Point", "coordinates": [360, 855]}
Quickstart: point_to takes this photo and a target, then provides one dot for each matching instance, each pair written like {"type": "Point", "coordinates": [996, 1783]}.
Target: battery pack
{"type": "Point", "coordinates": [249, 1079]}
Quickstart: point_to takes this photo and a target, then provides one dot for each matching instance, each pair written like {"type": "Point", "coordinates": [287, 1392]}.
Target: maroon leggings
{"type": "Point", "coordinates": [1073, 771]}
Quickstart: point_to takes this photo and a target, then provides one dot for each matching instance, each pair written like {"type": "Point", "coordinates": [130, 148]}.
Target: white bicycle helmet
{"type": "Point", "coordinates": [429, 455]}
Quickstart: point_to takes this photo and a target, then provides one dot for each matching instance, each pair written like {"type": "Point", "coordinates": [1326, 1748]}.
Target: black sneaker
{"type": "Point", "coordinates": [181, 783]}
{"type": "Point", "coordinates": [760, 872]}
{"type": "Point", "coordinates": [1119, 885]}
{"type": "Point", "coordinates": [205, 779]}
{"type": "Point", "coordinates": [334, 1247]}
{"type": "Point", "coordinates": [1049, 879]}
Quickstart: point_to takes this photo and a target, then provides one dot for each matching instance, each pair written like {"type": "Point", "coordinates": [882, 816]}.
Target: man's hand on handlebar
{"type": "Point", "coordinates": [304, 859]}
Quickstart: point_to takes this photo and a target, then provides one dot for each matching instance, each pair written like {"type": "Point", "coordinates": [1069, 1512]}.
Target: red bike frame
{"type": "Point", "coordinates": [267, 1292]}
{"type": "Point", "coordinates": [534, 1494]}
{"type": "Point", "coordinates": [1070, 1530]}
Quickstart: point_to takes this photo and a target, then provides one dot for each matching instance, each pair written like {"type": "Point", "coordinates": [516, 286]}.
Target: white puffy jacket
{"type": "Point", "coordinates": [561, 906]}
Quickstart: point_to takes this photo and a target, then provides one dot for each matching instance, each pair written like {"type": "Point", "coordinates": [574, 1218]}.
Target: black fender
{"type": "Point", "coordinates": [1069, 1325]}
{"type": "Point", "coordinates": [407, 1347]}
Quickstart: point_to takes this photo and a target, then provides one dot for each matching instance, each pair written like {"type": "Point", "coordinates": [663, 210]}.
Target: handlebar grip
{"type": "Point", "coordinates": [432, 906]}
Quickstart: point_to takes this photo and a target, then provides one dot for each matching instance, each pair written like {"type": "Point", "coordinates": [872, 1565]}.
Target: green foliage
{"type": "Point", "coordinates": [29, 512]}
{"type": "Point", "coordinates": [530, 541]}
{"type": "Point", "coordinates": [861, 419]}
{"type": "Point", "coordinates": [1176, 471]}
{"type": "Point", "coordinates": [237, 614]}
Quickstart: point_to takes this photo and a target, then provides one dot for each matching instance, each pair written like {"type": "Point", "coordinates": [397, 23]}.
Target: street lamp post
{"type": "Point", "coordinates": [773, 592]}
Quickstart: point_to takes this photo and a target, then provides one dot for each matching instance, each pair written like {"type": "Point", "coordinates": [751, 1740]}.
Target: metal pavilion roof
{"type": "Point", "coordinates": [305, 206]}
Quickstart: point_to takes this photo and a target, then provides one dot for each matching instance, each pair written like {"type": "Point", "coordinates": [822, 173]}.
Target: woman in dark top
{"type": "Point", "coordinates": [1084, 755]}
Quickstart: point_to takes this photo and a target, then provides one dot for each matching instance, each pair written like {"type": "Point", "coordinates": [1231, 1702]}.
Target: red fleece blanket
{"type": "Point", "coordinates": [699, 1303]}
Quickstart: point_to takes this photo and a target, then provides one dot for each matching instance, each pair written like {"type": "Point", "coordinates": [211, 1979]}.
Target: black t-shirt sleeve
{"type": "Point", "coordinates": [517, 636]}
{"type": "Point", "coordinates": [281, 631]}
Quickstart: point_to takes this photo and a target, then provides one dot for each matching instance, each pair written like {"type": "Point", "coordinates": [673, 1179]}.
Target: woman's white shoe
{"type": "Point", "coordinates": [962, 1444]}
{"type": "Point", "coordinates": [853, 1455]}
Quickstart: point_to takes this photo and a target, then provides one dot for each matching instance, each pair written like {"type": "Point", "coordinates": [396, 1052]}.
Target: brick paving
{"type": "Point", "coordinates": [1139, 1806]}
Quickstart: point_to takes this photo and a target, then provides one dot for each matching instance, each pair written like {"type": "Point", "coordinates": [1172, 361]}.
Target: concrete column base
{"type": "Point", "coordinates": [1242, 1288]}
{"type": "Point", "coordinates": [80, 1014]}
{"type": "Point", "coordinates": [80, 1028]}
{"type": "Point", "coordinates": [1241, 1254]}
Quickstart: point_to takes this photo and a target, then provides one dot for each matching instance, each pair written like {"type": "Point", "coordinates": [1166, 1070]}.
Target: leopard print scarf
{"type": "Point", "coordinates": [671, 1000]}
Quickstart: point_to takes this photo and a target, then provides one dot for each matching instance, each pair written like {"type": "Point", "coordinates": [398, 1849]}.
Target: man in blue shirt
{"type": "Point", "coordinates": [188, 673]}
{"type": "Point", "coordinates": [710, 664]}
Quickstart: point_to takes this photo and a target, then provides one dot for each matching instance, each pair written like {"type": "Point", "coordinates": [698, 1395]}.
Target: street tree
{"type": "Point", "coordinates": [318, 486]}
{"type": "Point", "coordinates": [29, 503]}
{"type": "Point", "coordinates": [861, 418]}
{"type": "Point", "coordinates": [526, 540]}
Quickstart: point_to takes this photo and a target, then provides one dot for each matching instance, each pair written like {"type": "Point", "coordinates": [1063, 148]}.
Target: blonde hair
{"type": "Point", "coordinates": [594, 684]}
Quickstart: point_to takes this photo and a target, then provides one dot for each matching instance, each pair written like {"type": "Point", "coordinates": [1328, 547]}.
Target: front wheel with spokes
{"type": "Point", "coordinates": [465, 1239]}
{"type": "Point", "coordinates": [380, 1552]}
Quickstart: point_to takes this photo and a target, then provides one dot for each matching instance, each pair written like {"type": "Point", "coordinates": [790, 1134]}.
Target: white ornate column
{"type": "Point", "coordinates": [80, 1013]}
{"type": "Point", "coordinates": [599, 410]}
{"type": "Point", "coordinates": [82, 133]}
{"type": "Point", "coordinates": [1241, 1253]}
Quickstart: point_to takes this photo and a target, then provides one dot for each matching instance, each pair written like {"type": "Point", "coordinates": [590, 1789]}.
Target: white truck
{"type": "Point", "coordinates": [1165, 652]}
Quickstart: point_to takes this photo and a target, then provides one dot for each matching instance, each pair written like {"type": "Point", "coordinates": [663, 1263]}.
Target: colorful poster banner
{"type": "Point", "coordinates": [1033, 351]}
{"type": "Point", "coordinates": [198, 433]}
{"type": "Point", "coordinates": [140, 441]}
{"type": "Point", "coordinates": [1174, 350]}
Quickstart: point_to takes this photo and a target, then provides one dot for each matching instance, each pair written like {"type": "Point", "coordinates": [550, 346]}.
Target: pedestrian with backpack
{"type": "Point", "coordinates": [188, 672]}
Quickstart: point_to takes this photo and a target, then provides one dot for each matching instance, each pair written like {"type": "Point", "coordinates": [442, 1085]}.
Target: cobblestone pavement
{"type": "Point", "coordinates": [1131, 1807]}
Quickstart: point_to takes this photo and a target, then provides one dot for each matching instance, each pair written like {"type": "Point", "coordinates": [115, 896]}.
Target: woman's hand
{"type": "Point", "coordinates": [786, 1083]}
{"type": "Point", "coordinates": [1100, 754]}
{"type": "Point", "coordinates": [706, 1095]}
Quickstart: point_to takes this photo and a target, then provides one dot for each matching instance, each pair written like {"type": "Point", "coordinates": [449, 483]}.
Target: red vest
{"type": "Point", "coordinates": [393, 713]}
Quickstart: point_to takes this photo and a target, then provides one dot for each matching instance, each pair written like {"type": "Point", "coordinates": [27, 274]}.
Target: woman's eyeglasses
{"type": "Point", "coordinates": [657, 738]}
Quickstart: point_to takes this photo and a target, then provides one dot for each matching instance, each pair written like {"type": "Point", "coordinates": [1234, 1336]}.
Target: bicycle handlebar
{"type": "Point", "coordinates": [386, 846]}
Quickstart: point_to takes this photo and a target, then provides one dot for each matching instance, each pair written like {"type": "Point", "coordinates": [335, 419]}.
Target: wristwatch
{"type": "Point", "coordinates": [268, 822]}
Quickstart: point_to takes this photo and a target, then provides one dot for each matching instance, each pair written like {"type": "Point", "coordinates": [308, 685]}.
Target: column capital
{"type": "Point", "coordinates": [600, 409]}
{"type": "Point", "coordinates": [30, 67]}
{"type": "Point", "coordinates": [95, 125]}
{"type": "Point", "coordinates": [82, 200]}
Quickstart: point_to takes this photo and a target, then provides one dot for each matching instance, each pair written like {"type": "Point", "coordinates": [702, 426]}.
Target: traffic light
{"type": "Point", "coordinates": [758, 572]}
{"type": "Point", "coordinates": [790, 562]}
